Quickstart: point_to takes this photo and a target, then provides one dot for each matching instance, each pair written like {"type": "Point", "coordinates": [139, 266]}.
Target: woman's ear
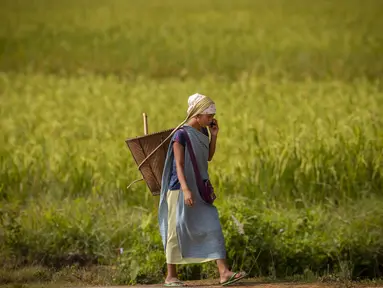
{"type": "Point", "coordinates": [198, 117]}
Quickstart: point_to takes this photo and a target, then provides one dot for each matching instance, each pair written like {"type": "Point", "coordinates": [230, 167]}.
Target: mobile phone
{"type": "Point", "coordinates": [212, 124]}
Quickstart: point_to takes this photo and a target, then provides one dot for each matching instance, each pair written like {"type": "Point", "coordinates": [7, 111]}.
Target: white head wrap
{"type": "Point", "coordinates": [195, 98]}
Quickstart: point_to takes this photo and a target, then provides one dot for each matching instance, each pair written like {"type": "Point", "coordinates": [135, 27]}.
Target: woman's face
{"type": "Point", "coordinates": [205, 119]}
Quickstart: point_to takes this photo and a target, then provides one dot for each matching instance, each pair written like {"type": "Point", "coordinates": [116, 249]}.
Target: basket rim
{"type": "Point", "coordinates": [150, 134]}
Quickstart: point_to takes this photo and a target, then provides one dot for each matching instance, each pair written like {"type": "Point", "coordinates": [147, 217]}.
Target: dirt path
{"type": "Point", "coordinates": [259, 284]}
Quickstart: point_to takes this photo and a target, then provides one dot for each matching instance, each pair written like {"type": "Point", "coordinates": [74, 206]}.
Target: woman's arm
{"type": "Point", "coordinates": [179, 155]}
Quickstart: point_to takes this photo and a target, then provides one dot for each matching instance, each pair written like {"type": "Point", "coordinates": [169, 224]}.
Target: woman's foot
{"type": "Point", "coordinates": [229, 277]}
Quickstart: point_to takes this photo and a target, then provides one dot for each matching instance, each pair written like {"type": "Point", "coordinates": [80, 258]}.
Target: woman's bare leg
{"type": "Point", "coordinates": [172, 273]}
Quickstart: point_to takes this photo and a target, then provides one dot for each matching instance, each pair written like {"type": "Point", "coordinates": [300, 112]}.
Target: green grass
{"type": "Point", "coordinates": [299, 155]}
{"type": "Point", "coordinates": [289, 139]}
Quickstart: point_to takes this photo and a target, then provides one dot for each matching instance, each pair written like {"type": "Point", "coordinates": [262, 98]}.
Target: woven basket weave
{"type": "Point", "coordinates": [152, 169]}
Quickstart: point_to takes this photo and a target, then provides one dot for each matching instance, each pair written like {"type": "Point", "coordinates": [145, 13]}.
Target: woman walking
{"type": "Point", "coordinates": [189, 225]}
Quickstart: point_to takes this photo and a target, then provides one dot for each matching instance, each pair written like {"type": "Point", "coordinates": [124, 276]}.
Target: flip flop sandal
{"type": "Point", "coordinates": [233, 279]}
{"type": "Point", "coordinates": [175, 284]}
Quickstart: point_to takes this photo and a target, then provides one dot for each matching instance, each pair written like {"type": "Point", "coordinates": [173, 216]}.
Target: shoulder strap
{"type": "Point", "coordinates": [193, 159]}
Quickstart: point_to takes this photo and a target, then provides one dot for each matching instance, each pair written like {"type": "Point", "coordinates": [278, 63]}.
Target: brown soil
{"type": "Point", "coordinates": [259, 284]}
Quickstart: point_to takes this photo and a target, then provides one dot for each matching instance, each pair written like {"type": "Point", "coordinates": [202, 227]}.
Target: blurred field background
{"type": "Point", "coordinates": [298, 167]}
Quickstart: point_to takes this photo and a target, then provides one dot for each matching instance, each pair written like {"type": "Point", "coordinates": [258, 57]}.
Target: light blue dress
{"type": "Point", "coordinates": [198, 227]}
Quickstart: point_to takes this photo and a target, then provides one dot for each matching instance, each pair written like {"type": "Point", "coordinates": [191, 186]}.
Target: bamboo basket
{"type": "Point", "coordinates": [140, 147]}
